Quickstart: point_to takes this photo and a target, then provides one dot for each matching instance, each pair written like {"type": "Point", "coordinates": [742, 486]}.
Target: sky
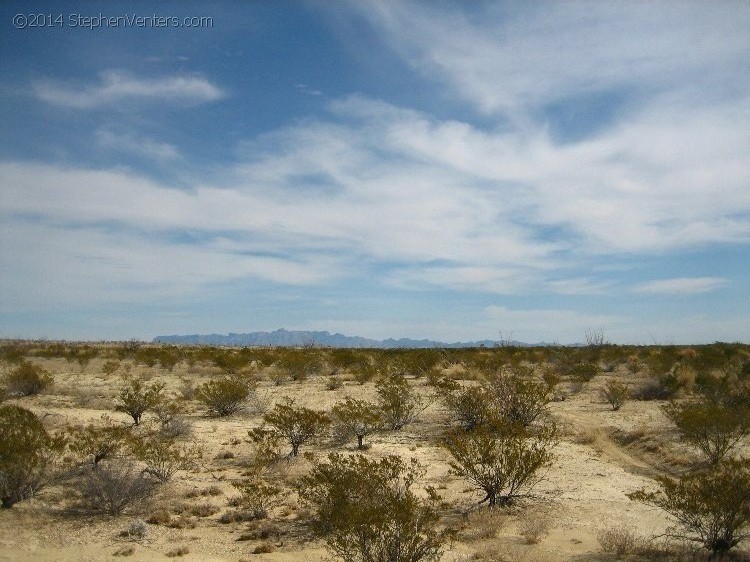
{"type": "Point", "coordinates": [446, 170]}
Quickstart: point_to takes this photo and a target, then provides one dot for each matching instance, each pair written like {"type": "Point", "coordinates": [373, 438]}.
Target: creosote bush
{"type": "Point", "coordinates": [164, 456]}
{"type": "Point", "coordinates": [296, 424]}
{"type": "Point", "coordinates": [226, 396]}
{"type": "Point", "coordinates": [98, 442]}
{"type": "Point", "coordinates": [27, 454]}
{"type": "Point", "coordinates": [615, 393]}
{"type": "Point", "coordinates": [399, 404]}
{"type": "Point", "coordinates": [137, 397]}
{"type": "Point", "coordinates": [257, 496]}
{"type": "Point", "coordinates": [26, 380]}
{"type": "Point", "coordinates": [714, 428]}
{"type": "Point", "coordinates": [355, 418]}
{"type": "Point", "coordinates": [712, 507]}
{"type": "Point", "coordinates": [501, 462]}
{"type": "Point", "coordinates": [366, 510]}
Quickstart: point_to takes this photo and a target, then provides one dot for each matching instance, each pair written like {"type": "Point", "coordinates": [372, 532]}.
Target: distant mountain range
{"type": "Point", "coordinates": [296, 338]}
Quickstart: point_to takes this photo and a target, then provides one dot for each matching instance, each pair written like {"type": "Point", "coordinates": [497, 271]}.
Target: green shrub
{"type": "Point", "coordinates": [399, 404]}
{"type": "Point", "coordinates": [98, 442]}
{"type": "Point", "coordinates": [355, 418]}
{"type": "Point", "coordinates": [27, 380]}
{"type": "Point", "coordinates": [517, 399]}
{"type": "Point", "coordinates": [715, 429]}
{"type": "Point", "coordinates": [501, 463]}
{"type": "Point", "coordinates": [257, 496]}
{"type": "Point", "coordinates": [164, 456]}
{"type": "Point", "coordinates": [365, 510]}
{"type": "Point", "coordinates": [711, 507]}
{"type": "Point", "coordinates": [297, 425]}
{"type": "Point", "coordinates": [470, 406]}
{"type": "Point", "coordinates": [137, 397]}
{"type": "Point", "coordinates": [615, 393]}
{"type": "Point", "coordinates": [584, 372]}
{"type": "Point", "coordinates": [27, 454]}
{"type": "Point", "coordinates": [226, 396]}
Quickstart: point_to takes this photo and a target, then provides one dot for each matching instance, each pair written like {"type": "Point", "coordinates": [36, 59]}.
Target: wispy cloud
{"type": "Point", "coordinates": [681, 285]}
{"type": "Point", "coordinates": [115, 86]}
{"type": "Point", "coordinates": [139, 146]}
{"type": "Point", "coordinates": [508, 57]}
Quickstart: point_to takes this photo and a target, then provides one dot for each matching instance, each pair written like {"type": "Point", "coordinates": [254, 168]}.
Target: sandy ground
{"type": "Point", "coordinates": [583, 493]}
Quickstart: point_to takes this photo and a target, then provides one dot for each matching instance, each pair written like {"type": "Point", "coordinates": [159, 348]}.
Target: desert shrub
{"type": "Point", "coordinates": [297, 425]}
{"type": "Point", "coordinates": [136, 530]}
{"type": "Point", "coordinates": [534, 526]}
{"type": "Point", "coordinates": [179, 551]}
{"type": "Point", "coordinates": [226, 396]}
{"type": "Point", "coordinates": [172, 422]}
{"type": "Point", "coordinates": [230, 362]}
{"type": "Point", "coordinates": [665, 387]}
{"type": "Point", "coordinates": [168, 357]}
{"type": "Point", "coordinates": [501, 463]}
{"type": "Point", "coordinates": [469, 406]}
{"type": "Point", "coordinates": [268, 442]}
{"type": "Point", "coordinates": [712, 507]}
{"type": "Point", "coordinates": [163, 456]}
{"type": "Point", "coordinates": [112, 487]}
{"type": "Point", "coordinates": [414, 362]}
{"type": "Point", "coordinates": [26, 380]}
{"type": "Point", "coordinates": [713, 428]}
{"type": "Point", "coordinates": [27, 454]}
{"type": "Point", "coordinates": [12, 352]}
{"type": "Point", "coordinates": [137, 397]}
{"type": "Point", "coordinates": [584, 372]}
{"type": "Point", "coordinates": [615, 393]}
{"type": "Point", "coordinates": [110, 367]}
{"type": "Point", "coordinates": [517, 399]}
{"type": "Point", "coordinates": [620, 541]}
{"type": "Point", "coordinates": [355, 418]}
{"type": "Point", "coordinates": [366, 510]}
{"type": "Point", "coordinates": [333, 383]}
{"type": "Point", "coordinates": [257, 496]}
{"type": "Point", "coordinates": [98, 442]}
{"type": "Point", "coordinates": [298, 365]}
{"type": "Point", "coordinates": [399, 404]}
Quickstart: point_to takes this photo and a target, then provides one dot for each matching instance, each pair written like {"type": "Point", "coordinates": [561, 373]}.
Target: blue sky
{"type": "Point", "coordinates": [444, 170]}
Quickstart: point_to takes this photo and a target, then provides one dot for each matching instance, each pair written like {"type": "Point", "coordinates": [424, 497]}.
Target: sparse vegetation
{"type": "Point", "coordinates": [497, 431]}
{"type": "Point", "coordinates": [98, 442]}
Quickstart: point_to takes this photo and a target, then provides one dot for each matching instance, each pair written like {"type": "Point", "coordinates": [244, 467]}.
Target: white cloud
{"type": "Point", "coordinates": [116, 86]}
{"type": "Point", "coordinates": [139, 146]}
{"type": "Point", "coordinates": [510, 56]}
{"type": "Point", "coordinates": [681, 285]}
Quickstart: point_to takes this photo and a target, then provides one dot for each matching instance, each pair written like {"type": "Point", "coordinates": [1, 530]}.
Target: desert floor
{"type": "Point", "coordinates": [602, 456]}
